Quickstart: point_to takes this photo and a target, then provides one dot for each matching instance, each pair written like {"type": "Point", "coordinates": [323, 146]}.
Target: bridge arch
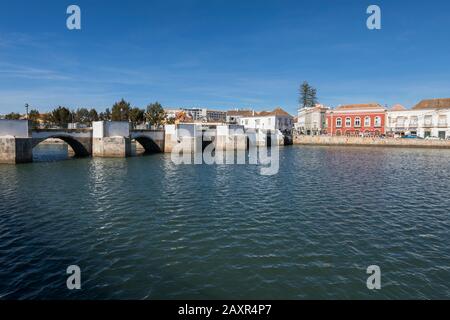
{"type": "Point", "coordinates": [79, 149]}
{"type": "Point", "coordinates": [149, 145]}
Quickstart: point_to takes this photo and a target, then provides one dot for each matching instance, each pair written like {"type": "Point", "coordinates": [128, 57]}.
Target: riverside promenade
{"type": "Point", "coordinates": [370, 141]}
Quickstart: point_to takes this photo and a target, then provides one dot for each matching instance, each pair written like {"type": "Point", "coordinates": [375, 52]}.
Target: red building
{"type": "Point", "coordinates": [356, 120]}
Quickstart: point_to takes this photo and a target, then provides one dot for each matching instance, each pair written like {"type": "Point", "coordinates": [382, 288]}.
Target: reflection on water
{"type": "Point", "coordinates": [143, 227]}
{"type": "Point", "coordinates": [49, 152]}
{"type": "Point", "coordinates": [45, 152]}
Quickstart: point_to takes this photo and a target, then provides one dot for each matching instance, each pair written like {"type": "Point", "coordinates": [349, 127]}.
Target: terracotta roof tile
{"type": "Point", "coordinates": [398, 107]}
{"type": "Point", "coordinates": [359, 106]}
{"type": "Point", "coordinates": [433, 104]}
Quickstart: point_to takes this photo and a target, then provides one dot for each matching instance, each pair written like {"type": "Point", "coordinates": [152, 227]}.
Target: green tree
{"type": "Point", "coordinates": [120, 111]}
{"type": "Point", "coordinates": [105, 116]}
{"type": "Point", "coordinates": [61, 116]}
{"type": "Point", "coordinates": [47, 120]}
{"type": "Point", "coordinates": [93, 115]}
{"type": "Point", "coordinates": [136, 115]}
{"type": "Point", "coordinates": [308, 95]}
{"type": "Point", "coordinates": [155, 114]}
{"type": "Point", "coordinates": [81, 115]}
{"type": "Point", "coordinates": [13, 116]}
{"type": "Point", "coordinates": [33, 116]}
{"type": "Point", "coordinates": [170, 121]}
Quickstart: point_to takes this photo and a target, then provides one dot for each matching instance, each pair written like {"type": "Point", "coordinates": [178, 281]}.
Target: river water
{"type": "Point", "coordinates": [145, 228]}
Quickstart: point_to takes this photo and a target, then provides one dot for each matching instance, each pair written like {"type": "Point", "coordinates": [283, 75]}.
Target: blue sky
{"type": "Point", "coordinates": [221, 54]}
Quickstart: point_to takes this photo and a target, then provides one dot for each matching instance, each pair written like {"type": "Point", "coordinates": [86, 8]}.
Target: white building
{"type": "Point", "coordinates": [429, 118]}
{"type": "Point", "coordinates": [277, 119]}
{"type": "Point", "coordinates": [312, 121]}
{"type": "Point", "coordinates": [234, 116]}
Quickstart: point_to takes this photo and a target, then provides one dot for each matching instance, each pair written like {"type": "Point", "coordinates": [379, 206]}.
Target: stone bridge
{"type": "Point", "coordinates": [114, 138]}
{"type": "Point", "coordinates": [151, 140]}
{"type": "Point", "coordinates": [80, 140]}
{"type": "Point", "coordinates": [104, 139]}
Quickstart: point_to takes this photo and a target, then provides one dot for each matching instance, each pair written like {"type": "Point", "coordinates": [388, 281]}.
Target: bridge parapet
{"type": "Point", "coordinates": [15, 128]}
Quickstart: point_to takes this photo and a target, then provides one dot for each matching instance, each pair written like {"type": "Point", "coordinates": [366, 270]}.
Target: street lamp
{"type": "Point", "coordinates": [26, 108]}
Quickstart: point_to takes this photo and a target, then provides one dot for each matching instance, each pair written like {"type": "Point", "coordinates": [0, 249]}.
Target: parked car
{"type": "Point", "coordinates": [410, 136]}
{"type": "Point", "coordinates": [432, 138]}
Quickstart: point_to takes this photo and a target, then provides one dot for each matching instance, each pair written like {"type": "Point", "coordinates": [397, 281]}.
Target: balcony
{"type": "Point", "coordinates": [442, 125]}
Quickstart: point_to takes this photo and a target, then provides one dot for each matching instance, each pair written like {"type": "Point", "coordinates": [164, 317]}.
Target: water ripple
{"type": "Point", "coordinates": [144, 228]}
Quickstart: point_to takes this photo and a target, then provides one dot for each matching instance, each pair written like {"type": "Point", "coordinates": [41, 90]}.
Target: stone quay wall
{"type": "Point", "coordinates": [367, 141]}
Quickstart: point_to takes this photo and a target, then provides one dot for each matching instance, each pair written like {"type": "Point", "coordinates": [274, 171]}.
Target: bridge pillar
{"type": "Point", "coordinates": [111, 139]}
{"type": "Point", "coordinates": [111, 147]}
{"type": "Point", "coordinates": [15, 141]}
{"type": "Point", "coordinates": [16, 150]}
{"type": "Point", "coordinates": [170, 137]}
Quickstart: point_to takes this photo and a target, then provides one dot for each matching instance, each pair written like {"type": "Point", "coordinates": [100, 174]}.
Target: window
{"type": "Point", "coordinates": [401, 122]}
{"type": "Point", "coordinates": [377, 121]}
{"type": "Point", "coordinates": [348, 122]}
{"type": "Point", "coordinates": [414, 121]}
{"type": "Point", "coordinates": [246, 121]}
{"type": "Point", "coordinates": [357, 122]}
{"type": "Point", "coordinates": [367, 122]}
{"type": "Point", "coordinates": [442, 121]}
{"type": "Point", "coordinates": [339, 122]}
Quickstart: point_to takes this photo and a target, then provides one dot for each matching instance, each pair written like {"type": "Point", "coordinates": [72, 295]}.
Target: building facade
{"type": "Point", "coordinates": [312, 121]}
{"type": "Point", "coordinates": [277, 119]}
{"type": "Point", "coordinates": [356, 120]}
{"type": "Point", "coordinates": [234, 116]}
{"type": "Point", "coordinates": [198, 114]}
{"type": "Point", "coordinates": [429, 118]}
{"type": "Point", "coordinates": [214, 116]}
